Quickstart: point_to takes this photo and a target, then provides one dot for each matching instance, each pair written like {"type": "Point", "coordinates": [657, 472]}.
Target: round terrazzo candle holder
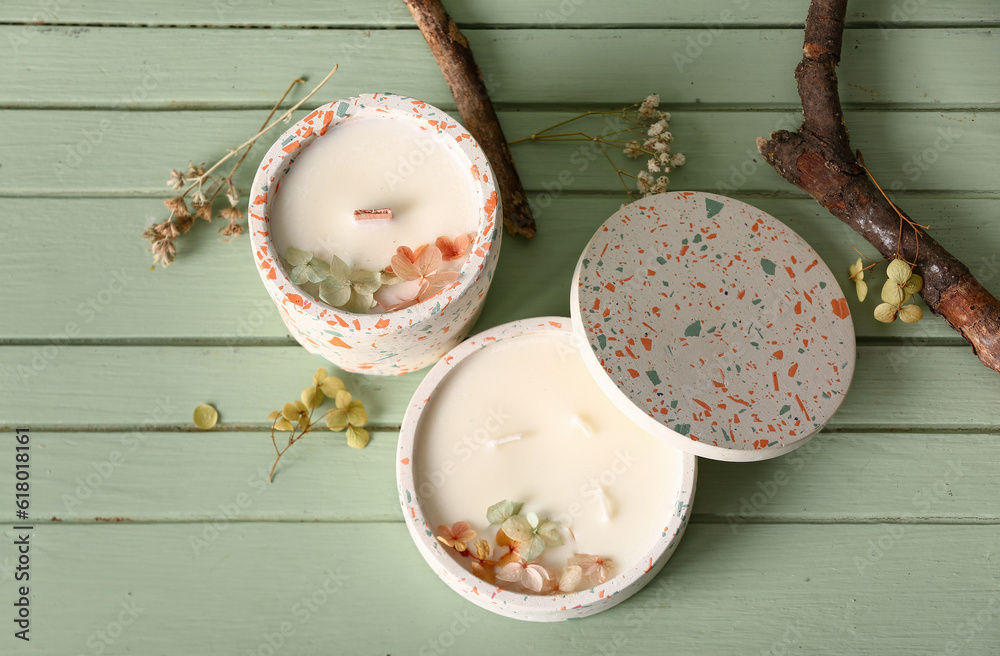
{"type": "Point", "coordinates": [709, 324]}
{"type": "Point", "coordinates": [420, 487]}
{"type": "Point", "coordinates": [383, 343]}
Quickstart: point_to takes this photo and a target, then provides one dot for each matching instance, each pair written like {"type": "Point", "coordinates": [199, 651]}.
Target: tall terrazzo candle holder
{"type": "Point", "coordinates": [390, 343]}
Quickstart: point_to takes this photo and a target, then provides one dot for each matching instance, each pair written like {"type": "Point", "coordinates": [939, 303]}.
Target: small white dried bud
{"type": "Point", "coordinates": [643, 181]}
{"type": "Point", "coordinates": [176, 179]}
{"type": "Point", "coordinates": [632, 149]}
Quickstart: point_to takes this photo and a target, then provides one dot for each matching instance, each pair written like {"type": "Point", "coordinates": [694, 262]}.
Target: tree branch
{"type": "Point", "coordinates": [454, 57]}
{"type": "Point", "coordinates": [818, 159]}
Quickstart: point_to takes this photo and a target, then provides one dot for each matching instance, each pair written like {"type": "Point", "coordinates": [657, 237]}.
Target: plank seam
{"type": "Point", "coordinates": [930, 431]}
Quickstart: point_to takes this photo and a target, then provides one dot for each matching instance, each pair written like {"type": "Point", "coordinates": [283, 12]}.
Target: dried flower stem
{"type": "Point", "coordinates": [207, 188]}
{"type": "Point", "coordinates": [252, 140]}
{"type": "Point", "coordinates": [297, 417]}
{"type": "Point", "coordinates": [292, 439]}
{"type": "Point", "coordinates": [902, 217]}
{"type": "Point", "coordinates": [645, 134]}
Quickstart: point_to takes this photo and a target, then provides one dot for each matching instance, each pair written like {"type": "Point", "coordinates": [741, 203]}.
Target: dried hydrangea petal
{"type": "Point", "coordinates": [898, 271]}
{"type": "Point", "coordinates": [913, 284]}
{"type": "Point", "coordinates": [886, 313]}
{"type": "Point", "coordinates": [297, 256]}
{"type": "Point", "coordinates": [333, 292]}
{"type": "Point", "coordinates": [892, 293]}
{"type": "Point", "coordinates": [911, 313]}
{"type": "Point", "coordinates": [570, 578]}
{"type": "Point", "coordinates": [205, 416]}
{"type": "Point", "coordinates": [518, 528]}
{"type": "Point", "coordinates": [357, 438]}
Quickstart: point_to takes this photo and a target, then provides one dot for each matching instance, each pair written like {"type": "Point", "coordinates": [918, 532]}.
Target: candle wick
{"type": "Point", "coordinates": [503, 440]}
{"type": "Point", "coordinates": [602, 498]}
{"type": "Point", "coordinates": [376, 214]}
{"type": "Point", "coordinates": [582, 424]}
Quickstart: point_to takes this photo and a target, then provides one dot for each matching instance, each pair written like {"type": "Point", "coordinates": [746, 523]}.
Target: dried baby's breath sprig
{"type": "Point", "coordinates": [202, 186]}
{"type": "Point", "coordinates": [296, 417]}
{"type": "Point", "coordinates": [644, 134]}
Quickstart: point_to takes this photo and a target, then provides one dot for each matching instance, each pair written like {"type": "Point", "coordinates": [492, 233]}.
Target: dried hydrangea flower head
{"type": "Point", "coordinates": [296, 417]}
{"type": "Point", "coordinates": [431, 269]}
{"type": "Point", "coordinates": [525, 537]}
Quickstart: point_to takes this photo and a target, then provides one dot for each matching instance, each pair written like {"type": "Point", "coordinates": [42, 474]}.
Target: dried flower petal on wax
{"type": "Point", "coordinates": [458, 535]}
{"type": "Point", "coordinates": [595, 568]}
{"type": "Point", "coordinates": [454, 249]}
{"type": "Point", "coordinates": [531, 575]}
{"type": "Point", "coordinates": [500, 511]}
{"type": "Point", "coordinates": [484, 572]}
{"type": "Point", "coordinates": [570, 578]}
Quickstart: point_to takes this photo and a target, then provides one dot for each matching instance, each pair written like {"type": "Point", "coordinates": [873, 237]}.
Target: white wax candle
{"type": "Point", "coordinates": [537, 386]}
{"type": "Point", "coordinates": [373, 163]}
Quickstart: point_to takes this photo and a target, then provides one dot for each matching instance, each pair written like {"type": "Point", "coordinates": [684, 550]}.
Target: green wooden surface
{"type": "Point", "coordinates": [881, 538]}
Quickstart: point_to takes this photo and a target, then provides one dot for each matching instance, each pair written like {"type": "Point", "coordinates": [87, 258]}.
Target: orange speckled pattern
{"type": "Point", "coordinates": [390, 343]}
{"type": "Point", "coordinates": [721, 327]}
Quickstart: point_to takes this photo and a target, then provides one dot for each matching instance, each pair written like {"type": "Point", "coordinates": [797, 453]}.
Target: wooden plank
{"type": "Point", "coordinates": [94, 256]}
{"type": "Point", "coordinates": [185, 476]}
{"type": "Point", "coordinates": [112, 386]}
{"type": "Point", "coordinates": [843, 589]}
{"type": "Point", "coordinates": [110, 67]}
{"type": "Point", "coordinates": [95, 153]}
{"type": "Point", "coordinates": [646, 13]}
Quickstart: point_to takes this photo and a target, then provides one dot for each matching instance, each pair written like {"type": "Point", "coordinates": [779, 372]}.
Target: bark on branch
{"type": "Point", "coordinates": [818, 159]}
{"type": "Point", "coordinates": [454, 57]}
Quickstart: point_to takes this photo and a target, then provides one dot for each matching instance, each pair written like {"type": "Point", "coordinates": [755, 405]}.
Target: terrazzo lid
{"type": "Point", "coordinates": [714, 325]}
